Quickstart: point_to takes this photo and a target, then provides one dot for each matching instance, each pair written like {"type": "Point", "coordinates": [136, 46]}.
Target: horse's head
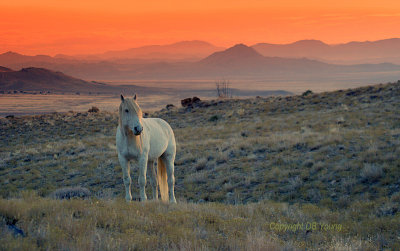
{"type": "Point", "coordinates": [130, 115]}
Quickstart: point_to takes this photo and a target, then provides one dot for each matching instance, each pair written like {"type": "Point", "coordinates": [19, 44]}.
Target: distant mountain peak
{"type": "Point", "coordinates": [240, 50]}
{"type": "Point", "coordinates": [239, 53]}
{"type": "Point", "coordinates": [11, 53]}
{"type": "Point", "coordinates": [309, 42]}
{"type": "Point", "coordinates": [238, 47]}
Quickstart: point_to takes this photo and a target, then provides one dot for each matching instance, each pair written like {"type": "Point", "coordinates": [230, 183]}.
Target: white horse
{"type": "Point", "coordinates": [146, 140]}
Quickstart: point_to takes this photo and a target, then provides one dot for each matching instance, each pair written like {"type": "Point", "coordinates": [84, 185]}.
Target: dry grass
{"type": "Point", "coordinates": [116, 225]}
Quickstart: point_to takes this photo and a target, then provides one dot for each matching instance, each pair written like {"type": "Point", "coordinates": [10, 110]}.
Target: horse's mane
{"type": "Point", "coordinates": [135, 107]}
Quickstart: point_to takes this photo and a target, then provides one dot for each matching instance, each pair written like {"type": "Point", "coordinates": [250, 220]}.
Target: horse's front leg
{"type": "Point", "coordinates": [126, 176]}
{"type": "Point", "coordinates": [142, 176]}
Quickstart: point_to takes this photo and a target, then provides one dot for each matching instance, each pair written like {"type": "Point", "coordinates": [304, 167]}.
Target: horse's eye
{"type": "Point", "coordinates": [126, 110]}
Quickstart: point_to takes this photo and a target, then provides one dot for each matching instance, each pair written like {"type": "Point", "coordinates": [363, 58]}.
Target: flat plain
{"type": "Point", "coordinates": [168, 92]}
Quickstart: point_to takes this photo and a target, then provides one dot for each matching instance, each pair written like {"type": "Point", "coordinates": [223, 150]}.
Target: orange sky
{"type": "Point", "coordinates": [94, 26]}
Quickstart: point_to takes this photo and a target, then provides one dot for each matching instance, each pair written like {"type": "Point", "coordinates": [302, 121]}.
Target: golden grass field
{"type": "Point", "coordinates": [316, 172]}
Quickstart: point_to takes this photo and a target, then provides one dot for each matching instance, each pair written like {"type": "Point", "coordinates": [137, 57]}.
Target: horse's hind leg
{"type": "Point", "coordinates": [153, 179]}
{"type": "Point", "coordinates": [169, 163]}
{"type": "Point", "coordinates": [126, 176]}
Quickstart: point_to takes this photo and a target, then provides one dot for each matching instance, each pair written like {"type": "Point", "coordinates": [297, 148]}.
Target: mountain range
{"type": "Point", "coordinates": [259, 62]}
{"type": "Point", "coordinates": [181, 51]}
{"type": "Point", "coordinates": [380, 51]}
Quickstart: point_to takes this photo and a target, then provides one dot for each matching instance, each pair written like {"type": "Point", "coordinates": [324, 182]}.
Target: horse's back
{"type": "Point", "coordinates": [158, 124]}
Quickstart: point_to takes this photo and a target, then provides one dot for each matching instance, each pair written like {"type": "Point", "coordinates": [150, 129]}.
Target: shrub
{"type": "Point", "coordinates": [94, 109]}
{"type": "Point", "coordinates": [213, 118]}
{"type": "Point", "coordinates": [371, 173]}
{"type": "Point", "coordinates": [70, 192]}
{"type": "Point", "coordinates": [169, 106]}
{"type": "Point", "coordinates": [306, 93]}
{"type": "Point", "coordinates": [190, 102]}
{"type": "Point", "coordinates": [201, 164]}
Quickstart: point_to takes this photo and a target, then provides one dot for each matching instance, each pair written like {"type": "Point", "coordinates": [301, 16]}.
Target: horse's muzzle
{"type": "Point", "coordinates": [137, 131]}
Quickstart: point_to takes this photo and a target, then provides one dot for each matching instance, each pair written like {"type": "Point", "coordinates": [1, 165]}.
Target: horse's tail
{"type": "Point", "coordinates": [162, 179]}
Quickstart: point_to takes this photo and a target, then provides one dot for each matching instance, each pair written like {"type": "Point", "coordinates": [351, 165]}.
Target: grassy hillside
{"type": "Point", "coordinates": [325, 158]}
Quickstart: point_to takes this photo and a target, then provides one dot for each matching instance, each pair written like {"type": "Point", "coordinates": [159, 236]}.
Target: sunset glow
{"type": "Point", "coordinates": [85, 27]}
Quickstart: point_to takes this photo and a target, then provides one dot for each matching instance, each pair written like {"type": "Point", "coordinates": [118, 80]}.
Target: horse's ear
{"type": "Point", "coordinates": [134, 98]}
{"type": "Point", "coordinates": [122, 98]}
